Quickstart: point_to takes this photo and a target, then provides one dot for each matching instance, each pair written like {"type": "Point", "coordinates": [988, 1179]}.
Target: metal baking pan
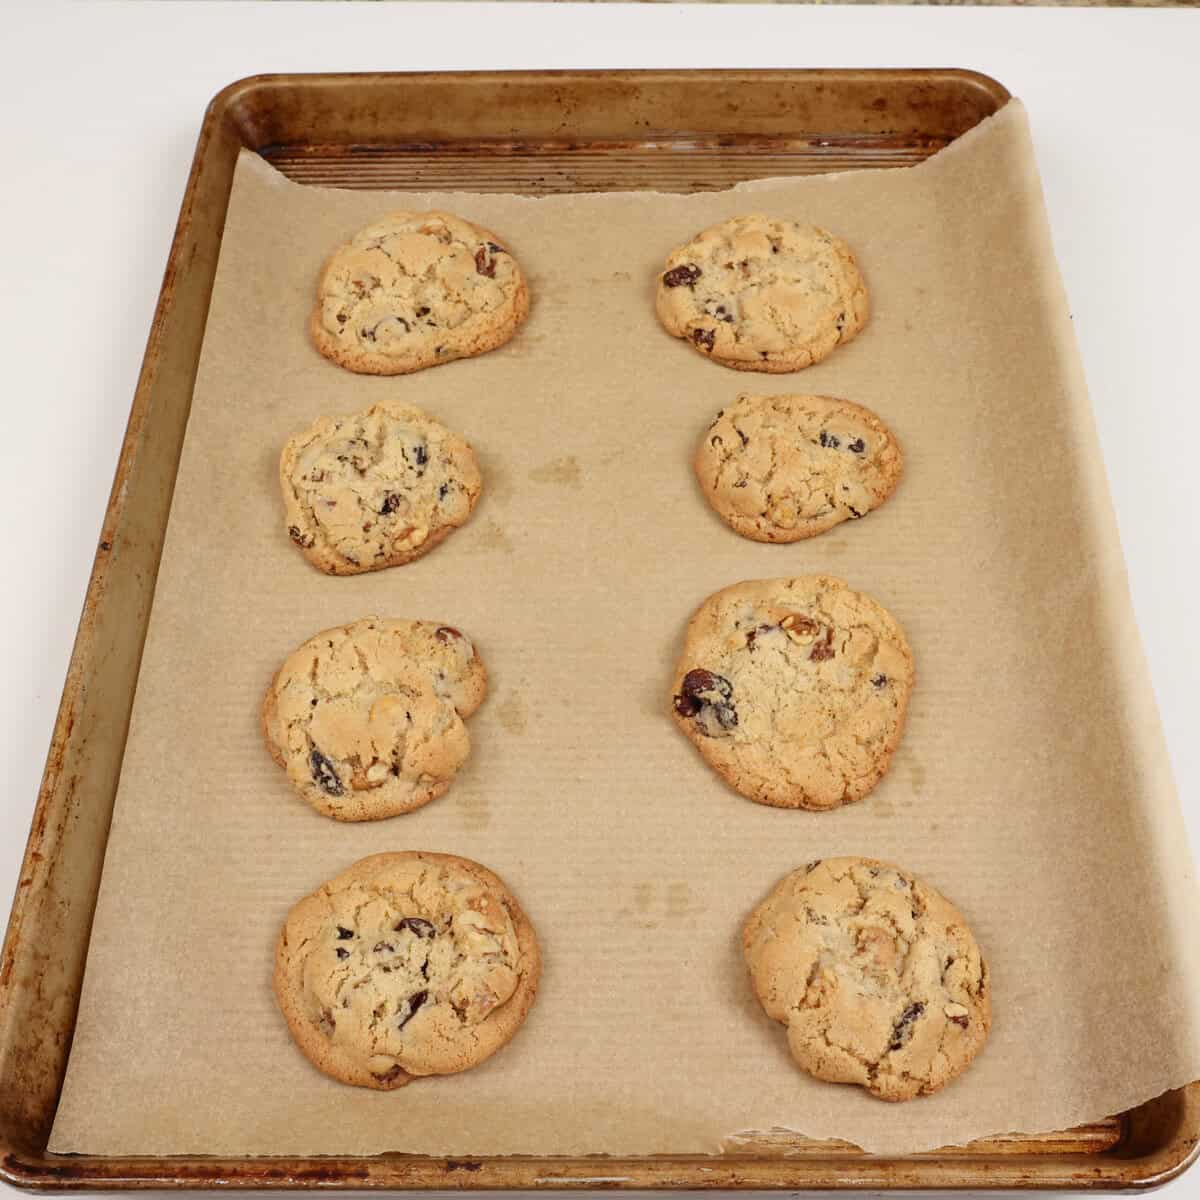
{"type": "Point", "coordinates": [532, 132]}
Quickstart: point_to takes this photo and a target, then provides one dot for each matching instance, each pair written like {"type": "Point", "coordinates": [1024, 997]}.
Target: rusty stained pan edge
{"type": "Point", "coordinates": [1002, 1163]}
{"type": "Point", "coordinates": [1018, 1172]}
{"type": "Point", "coordinates": [1146, 1147]}
{"type": "Point", "coordinates": [572, 106]}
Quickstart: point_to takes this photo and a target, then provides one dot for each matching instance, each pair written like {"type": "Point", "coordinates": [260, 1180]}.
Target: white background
{"type": "Point", "coordinates": [99, 109]}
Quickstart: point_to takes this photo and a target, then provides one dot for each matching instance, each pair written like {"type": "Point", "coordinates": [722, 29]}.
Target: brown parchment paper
{"type": "Point", "coordinates": [1032, 785]}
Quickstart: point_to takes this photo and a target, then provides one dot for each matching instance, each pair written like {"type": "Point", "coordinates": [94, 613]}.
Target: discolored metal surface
{"type": "Point", "coordinates": [532, 132]}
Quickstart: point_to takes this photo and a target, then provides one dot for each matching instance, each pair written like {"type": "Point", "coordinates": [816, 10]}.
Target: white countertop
{"type": "Point", "coordinates": [102, 106]}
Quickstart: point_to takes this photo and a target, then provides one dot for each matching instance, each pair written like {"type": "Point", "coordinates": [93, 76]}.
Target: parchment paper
{"type": "Point", "coordinates": [1032, 785]}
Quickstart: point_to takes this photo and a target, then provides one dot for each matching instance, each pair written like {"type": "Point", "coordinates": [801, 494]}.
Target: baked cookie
{"type": "Point", "coordinates": [783, 468]}
{"type": "Point", "coordinates": [375, 489]}
{"type": "Point", "coordinates": [794, 690]}
{"type": "Point", "coordinates": [407, 964]}
{"type": "Point", "coordinates": [875, 974]}
{"type": "Point", "coordinates": [367, 719]}
{"type": "Point", "coordinates": [763, 294]}
{"type": "Point", "coordinates": [416, 289]}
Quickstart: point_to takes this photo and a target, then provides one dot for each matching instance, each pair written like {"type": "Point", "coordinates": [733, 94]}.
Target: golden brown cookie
{"type": "Point", "coordinates": [416, 289]}
{"type": "Point", "coordinates": [794, 690]}
{"type": "Point", "coordinates": [375, 489]}
{"type": "Point", "coordinates": [875, 974]}
{"type": "Point", "coordinates": [761, 293]}
{"type": "Point", "coordinates": [783, 468]}
{"type": "Point", "coordinates": [368, 719]}
{"type": "Point", "coordinates": [407, 964]}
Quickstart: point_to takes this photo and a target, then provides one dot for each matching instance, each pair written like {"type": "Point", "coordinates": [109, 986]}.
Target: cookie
{"type": "Point", "coordinates": [367, 719]}
{"type": "Point", "coordinates": [794, 690]}
{"type": "Point", "coordinates": [375, 489]}
{"type": "Point", "coordinates": [875, 974]}
{"type": "Point", "coordinates": [783, 468]}
{"type": "Point", "coordinates": [407, 964]}
{"type": "Point", "coordinates": [416, 289]}
{"type": "Point", "coordinates": [763, 294]}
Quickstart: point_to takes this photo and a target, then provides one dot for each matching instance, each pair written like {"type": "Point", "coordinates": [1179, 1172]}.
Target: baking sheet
{"type": "Point", "coordinates": [1032, 784]}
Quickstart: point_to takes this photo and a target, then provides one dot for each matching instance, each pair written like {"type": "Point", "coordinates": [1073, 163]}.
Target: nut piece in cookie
{"type": "Point", "coordinates": [375, 489]}
{"type": "Point", "coordinates": [368, 720]}
{"type": "Point", "coordinates": [416, 289]}
{"type": "Point", "coordinates": [760, 293]}
{"type": "Point", "coordinates": [794, 690]}
{"type": "Point", "coordinates": [875, 974]}
{"type": "Point", "coordinates": [784, 468]}
{"type": "Point", "coordinates": [407, 964]}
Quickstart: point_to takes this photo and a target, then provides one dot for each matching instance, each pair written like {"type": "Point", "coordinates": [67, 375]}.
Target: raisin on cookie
{"type": "Point", "coordinates": [407, 964]}
{"type": "Point", "coordinates": [375, 489]}
{"type": "Point", "coordinates": [416, 289]}
{"type": "Point", "coordinates": [794, 690]}
{"type": "Point", "coordinates": [368, 719]}
{"type": "Point", "coordinates": [875, 974]}
{"type": "Point", "coordinates": [761, 293]}
{"type": "Point", "coordinates": [783, 468]}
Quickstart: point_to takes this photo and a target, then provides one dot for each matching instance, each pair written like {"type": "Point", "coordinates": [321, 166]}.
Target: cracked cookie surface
{"type": "Point", "coordinates": [784, 468]}
{"type": "Point", "coordinates": [407, 964]}
{"type": "Point", "coordinates": [794, 690]}
{"type": "Point", "coordinates": [368, 719]}
{"type": "Point", "coordinates": [416, 289]}
{"type": "Point", "coordinates": [875, 974]}
{"type": "Point", "coordinates": [375, 489]}
{"type": "Point", "coordinates": [760, 293]}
